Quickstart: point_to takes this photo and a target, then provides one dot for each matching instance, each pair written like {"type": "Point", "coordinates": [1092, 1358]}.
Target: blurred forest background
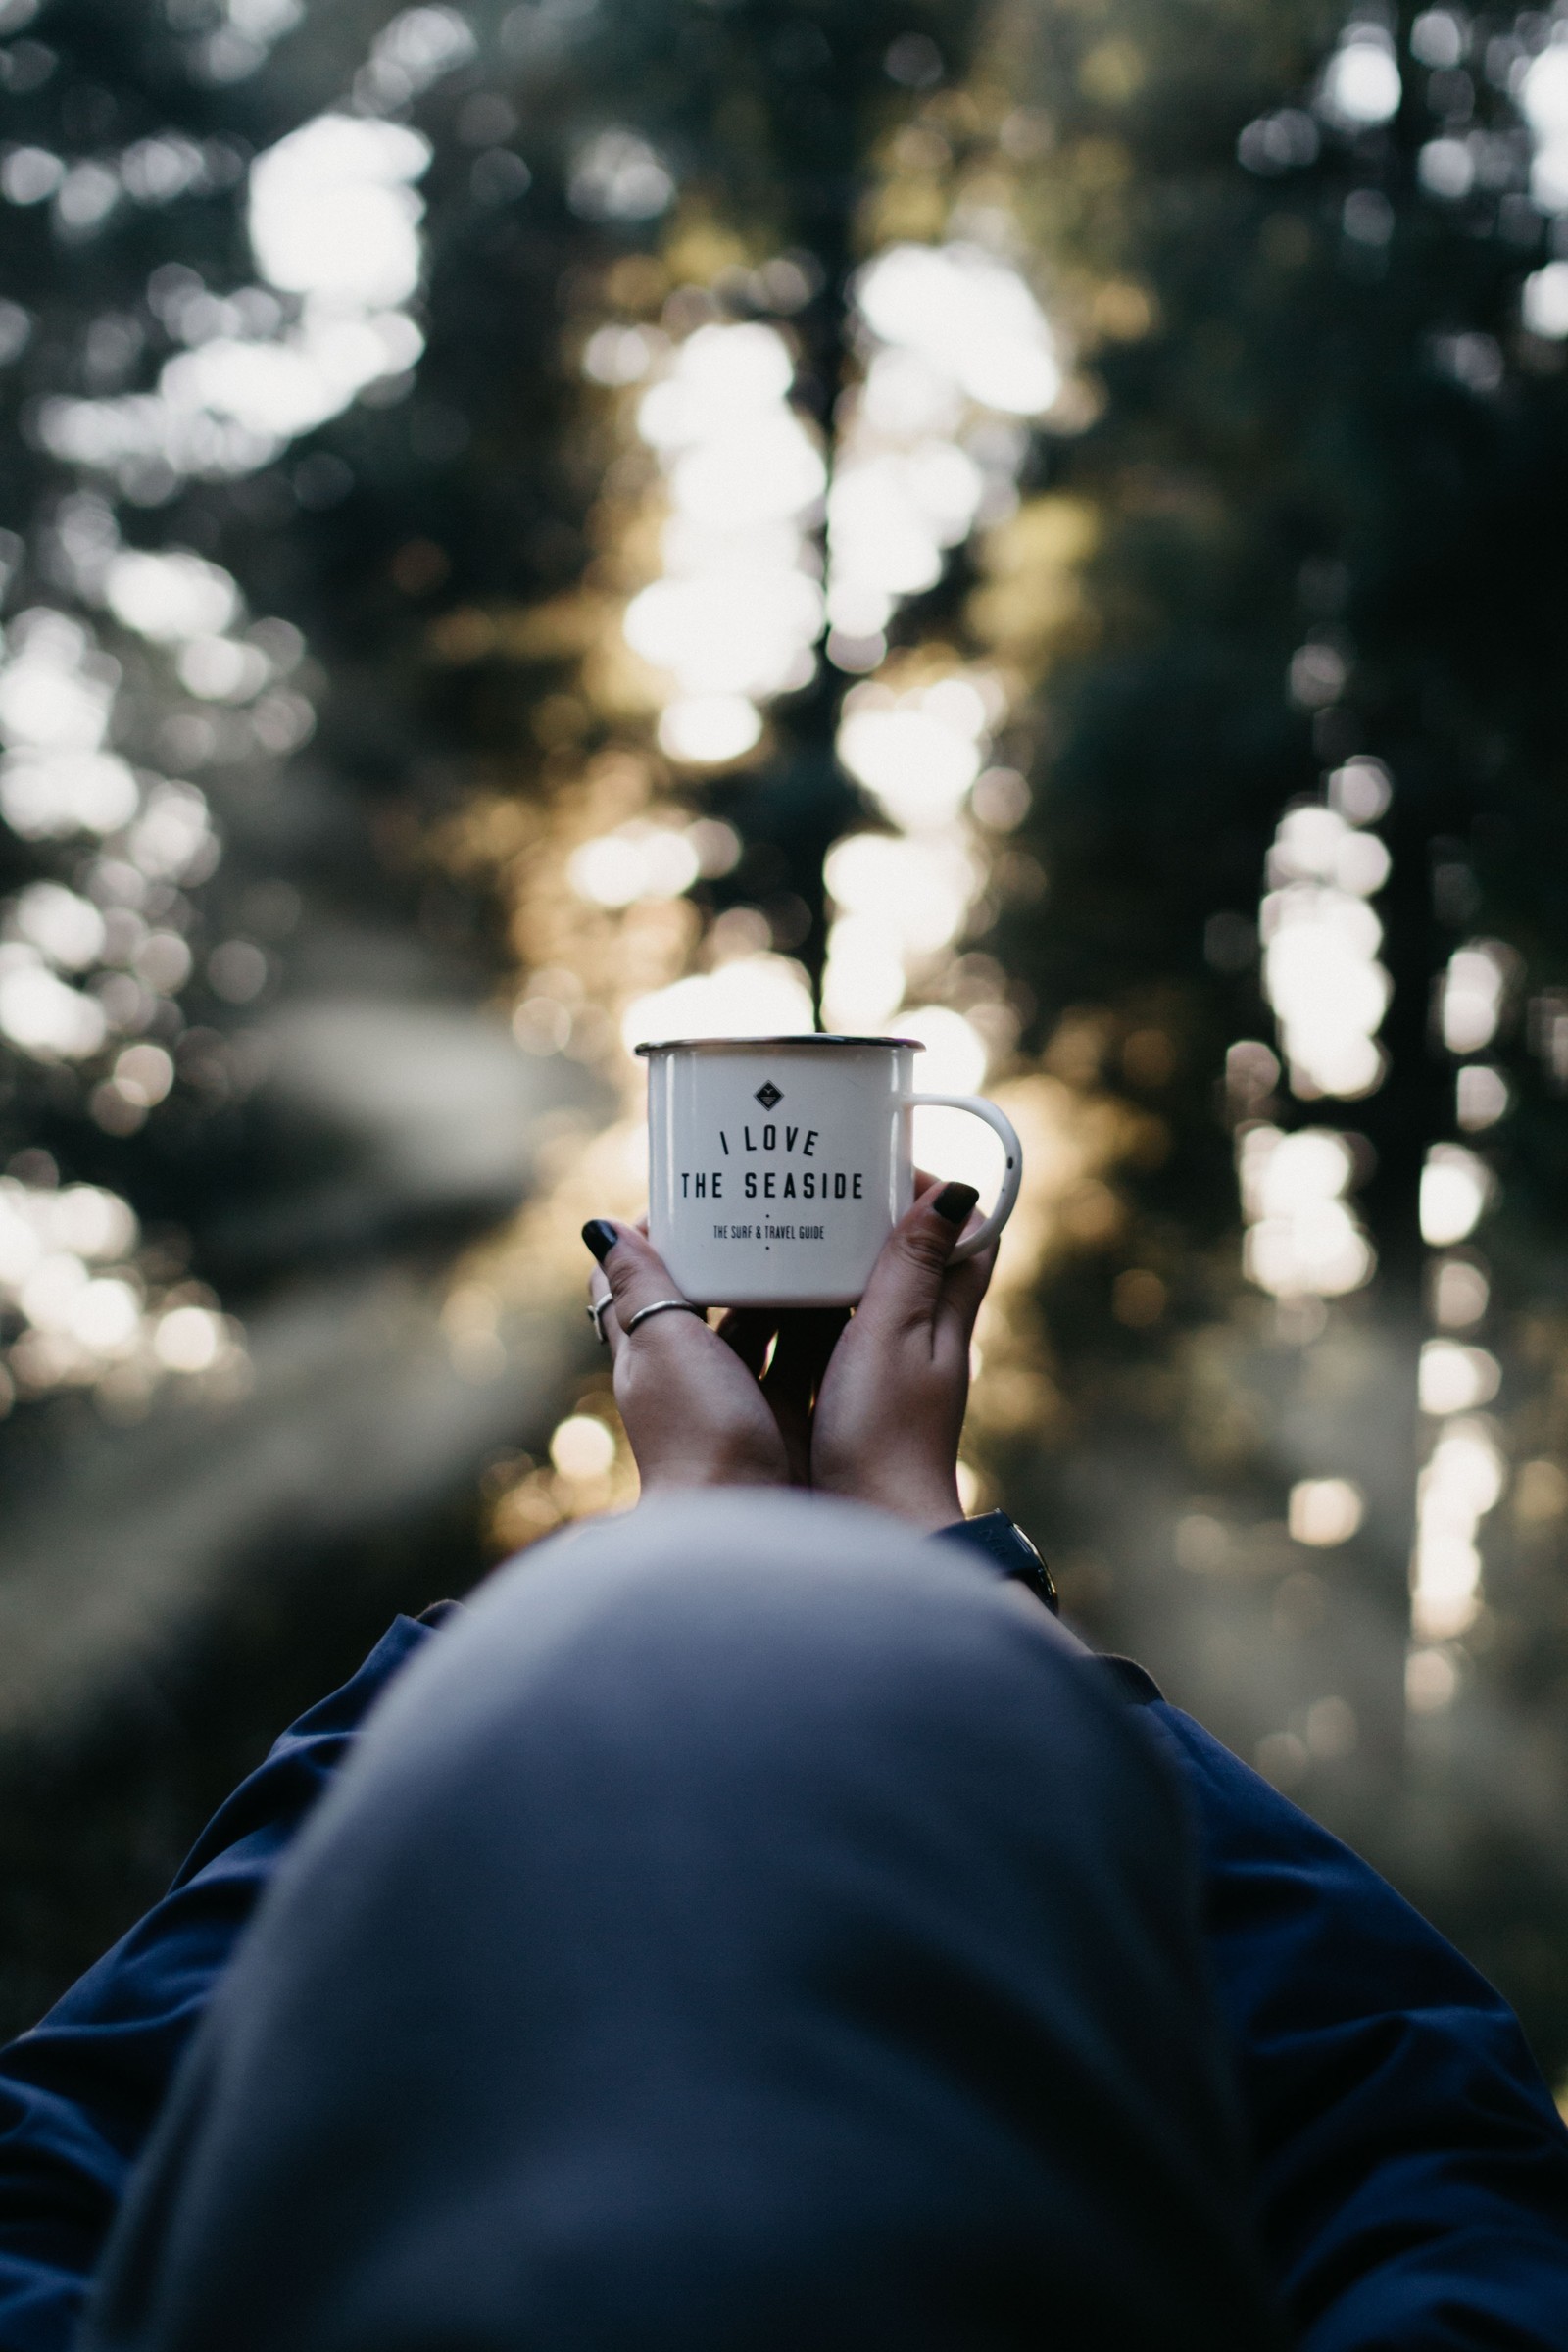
{"type": "Point", "coordinates": [1035, 524]}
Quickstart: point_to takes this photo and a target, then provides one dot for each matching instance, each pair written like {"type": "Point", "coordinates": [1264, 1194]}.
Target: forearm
{"type": "Point", "coordinates": [1411, 2170]}
{"type": "Point", "coordinates": [80, 2093]}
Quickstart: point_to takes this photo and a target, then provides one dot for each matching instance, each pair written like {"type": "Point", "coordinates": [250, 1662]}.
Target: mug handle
{"type": "Point", "coordinates": [1012, 1174]}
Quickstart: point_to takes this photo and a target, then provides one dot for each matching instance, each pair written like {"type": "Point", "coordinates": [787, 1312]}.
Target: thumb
{"type": "Point", "coordinates": [905, 1281]}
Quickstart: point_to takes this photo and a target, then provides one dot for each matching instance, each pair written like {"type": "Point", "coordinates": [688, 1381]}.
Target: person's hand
{"type": "Point", "coordinates": [768, 1399]}
{"type": "Point", "coordinates": [890, 1409]}
{"type": "Point", "coordinates": [702, 1407]}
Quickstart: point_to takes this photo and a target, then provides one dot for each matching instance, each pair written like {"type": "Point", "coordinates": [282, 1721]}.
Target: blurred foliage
{"type": "Point", "coordinates": [1302, 410]}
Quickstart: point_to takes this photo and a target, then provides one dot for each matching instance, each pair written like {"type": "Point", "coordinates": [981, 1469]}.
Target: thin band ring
{"type": "Point", "coordinates": [664, 1306]}
{"type": "Point", "coordinates": [595, 1312]}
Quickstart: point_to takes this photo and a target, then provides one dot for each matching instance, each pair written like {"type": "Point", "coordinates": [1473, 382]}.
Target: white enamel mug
{"type": "Point", "coordinates": [779, 1165]}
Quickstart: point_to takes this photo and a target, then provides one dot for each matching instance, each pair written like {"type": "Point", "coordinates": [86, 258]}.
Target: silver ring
{"type": "Point", "coordinates": [663, 1306]}
{"type": "Point", "coordinates": [595, 1312]}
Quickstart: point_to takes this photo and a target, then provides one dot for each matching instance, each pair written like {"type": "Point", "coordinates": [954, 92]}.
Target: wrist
{"type": "Point", "coordinates": [680, 1477]}
{"type": "Point", "coordinates": [1003, 1542]}
{"type": "Point", "coordinates": [929, 1503]}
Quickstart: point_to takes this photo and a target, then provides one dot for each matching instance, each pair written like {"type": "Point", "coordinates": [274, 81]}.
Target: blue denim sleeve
{"type": "Point", "coordinates": [1412, 2175]}
{"type": "Point", "coordinates": [80, 2092]}
{"type": "Point", "coordinates": [1411, 2168]}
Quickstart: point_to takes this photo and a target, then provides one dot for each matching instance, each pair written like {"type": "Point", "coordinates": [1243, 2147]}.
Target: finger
{"type": "Point", "coordinates": [963, 1289]}
{"type": "Point", "coordinates": [749, 1331]}
{"type": "Point", "coordinates": [906, 1285]}
{"type": "Point", "coordinates": [805, 1340]}
{"type": "Point", "coordinates": [637, 1277]}
{"type": "Point", "coordinates": [602, 1313]}
{"type": "Point", "coordinates": [973, 1275]}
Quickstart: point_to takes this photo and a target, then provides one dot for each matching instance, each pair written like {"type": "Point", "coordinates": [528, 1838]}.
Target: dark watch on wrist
{"type": "Point", "coordinates": [1008, 1551]}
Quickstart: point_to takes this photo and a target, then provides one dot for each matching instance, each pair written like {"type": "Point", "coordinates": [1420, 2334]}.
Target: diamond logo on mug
{"type": "Point", "coordinates": [769, 1094]}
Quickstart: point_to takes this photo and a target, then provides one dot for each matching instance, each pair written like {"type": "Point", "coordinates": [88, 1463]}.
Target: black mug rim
{"type": "Point", "coordinates": [807, 1037]}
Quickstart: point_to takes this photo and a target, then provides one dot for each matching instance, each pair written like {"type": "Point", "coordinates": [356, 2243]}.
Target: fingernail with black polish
{"type": "Point", "coordinates": [600, 1236]}
{"type": "Point", "coordinates": [954, 1202]}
